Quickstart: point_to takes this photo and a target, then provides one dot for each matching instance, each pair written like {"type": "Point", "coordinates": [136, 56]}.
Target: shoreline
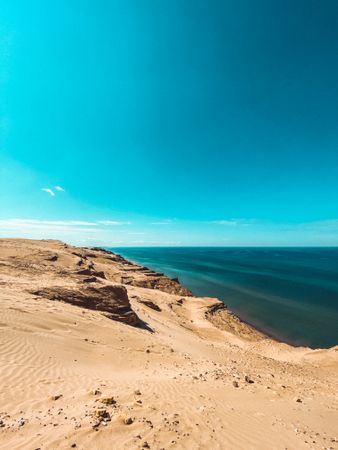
{"type": "Point", "coordinates": [260, 330]}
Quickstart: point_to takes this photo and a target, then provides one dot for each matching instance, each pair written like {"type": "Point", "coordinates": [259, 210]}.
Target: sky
{"type": "Point", "coordinates": [169, 122]}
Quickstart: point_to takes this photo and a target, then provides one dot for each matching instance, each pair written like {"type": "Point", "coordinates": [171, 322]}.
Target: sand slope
{"type": "Point", "coordinates": [71, 377]}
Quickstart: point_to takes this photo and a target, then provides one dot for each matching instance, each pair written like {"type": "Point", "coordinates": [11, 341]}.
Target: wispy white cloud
{"type": "Point", "coordinates": [225, 222]}
{"type": "Point", "coordinates": [233, 222]}
{"type": "Point", "coordinates": [219, 232]}
{"type": "Point", "coordinates": [29, 222]}
{"type": "Point", "coordinates": [77, 232]}
{"type": "Point", "coordinates": [111, 242]}
{"type": "Point", "coordinates": [71, 222]}
{"type": "Point", "coordinates": [162, 222]}
{"type": "Point", "coordinates": [112, 222]}
{"type": "Point", "coordinates": [58, 223]}
{"type": "Point", "coordinates": [49, 191]}
{"type": "Point", "coordinates": [137, 233]}
{"type": "Point", "coordinates": [15, 225]}
{"type": "Point", "coordinates": [158, 243]}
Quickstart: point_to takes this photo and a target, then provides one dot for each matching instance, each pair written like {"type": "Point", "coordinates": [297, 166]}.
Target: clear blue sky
{"type": "Point", "coordinates": [172, 122]}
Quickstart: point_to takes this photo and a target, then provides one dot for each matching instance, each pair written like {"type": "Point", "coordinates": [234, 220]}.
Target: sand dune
{"type": "Point", "coordinates": [152, 368]}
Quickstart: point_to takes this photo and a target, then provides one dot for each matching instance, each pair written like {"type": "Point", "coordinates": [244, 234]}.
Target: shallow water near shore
{"type": "Point", "coordinates": [289, 293]}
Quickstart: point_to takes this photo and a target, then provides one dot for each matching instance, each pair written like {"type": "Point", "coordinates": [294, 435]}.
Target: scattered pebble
{"type": "Point", "coordinates": [107, 400]}
{"type": "Point", "coordinates": [248, 379]}
{"type": "Point", "coordinates": [128, 421]}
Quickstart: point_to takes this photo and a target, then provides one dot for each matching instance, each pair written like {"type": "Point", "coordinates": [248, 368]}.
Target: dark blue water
{"type": "Point", "coordinates": [290, 293]}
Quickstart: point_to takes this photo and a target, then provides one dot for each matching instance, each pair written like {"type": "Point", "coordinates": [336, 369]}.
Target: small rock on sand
{"type": "Point", "coordinates": [107, 400]}
{"type": "Point", "coordinates": [102, 414]}
{"type": "Point", "coordinates": [248, 379]}
{"type": "Point", "coordinates": [96, 392]}
{"type": "Point", "coordinates": [128, 420]}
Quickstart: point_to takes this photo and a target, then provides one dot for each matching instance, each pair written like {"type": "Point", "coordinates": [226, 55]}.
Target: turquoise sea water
{"type": "Point", "coordinates": [290, 293]}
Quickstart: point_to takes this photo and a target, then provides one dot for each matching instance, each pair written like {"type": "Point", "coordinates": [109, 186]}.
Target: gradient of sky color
{"type": "Point", "coordinates": [172, 122]}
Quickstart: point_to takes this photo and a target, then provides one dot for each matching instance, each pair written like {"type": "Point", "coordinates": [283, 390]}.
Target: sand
{"type": "Point", "coordinates": [184, 374]}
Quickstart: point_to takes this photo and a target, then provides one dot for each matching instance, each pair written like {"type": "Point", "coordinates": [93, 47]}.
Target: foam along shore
{"type": "Point", "coordinates": [99, 353]}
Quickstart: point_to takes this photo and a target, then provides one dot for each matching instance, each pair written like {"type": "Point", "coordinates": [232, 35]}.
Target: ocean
{"type": "Point", "coordinates": [289, 293]}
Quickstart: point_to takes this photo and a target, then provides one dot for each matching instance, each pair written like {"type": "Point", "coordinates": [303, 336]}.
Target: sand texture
{"type": "Point", "coordinates": [99, 353]}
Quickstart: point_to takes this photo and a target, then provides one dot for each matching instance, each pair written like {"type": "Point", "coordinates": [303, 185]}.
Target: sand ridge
{"type": "Point", "coordinates": [186, 374]}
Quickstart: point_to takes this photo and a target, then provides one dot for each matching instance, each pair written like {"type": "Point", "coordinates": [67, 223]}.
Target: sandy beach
{"type": "Point", "coordinates": [99, 353]}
